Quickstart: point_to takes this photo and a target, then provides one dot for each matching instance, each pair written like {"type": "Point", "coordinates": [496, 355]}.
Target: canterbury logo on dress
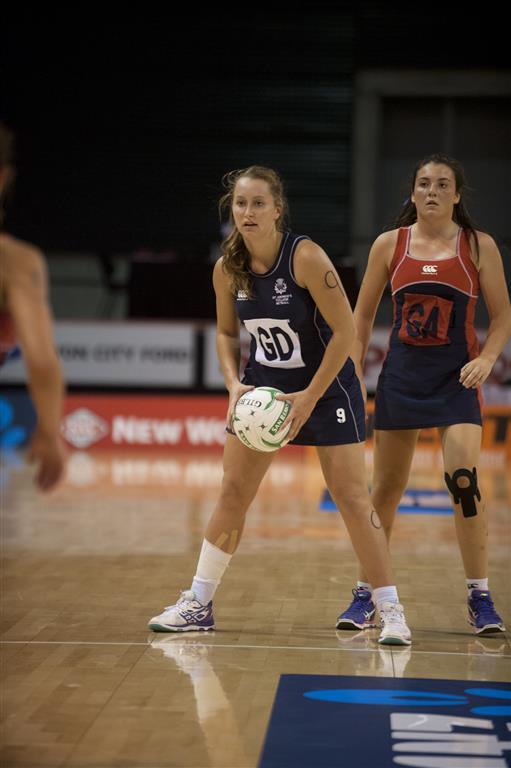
{"type": "Point", "coordinates": [429, 269]}
{"type": "Point", "coordinates": [277, 345]}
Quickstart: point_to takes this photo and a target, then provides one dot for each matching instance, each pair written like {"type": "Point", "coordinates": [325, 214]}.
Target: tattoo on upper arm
{"type": "Point", "coordinates": [331, 281]}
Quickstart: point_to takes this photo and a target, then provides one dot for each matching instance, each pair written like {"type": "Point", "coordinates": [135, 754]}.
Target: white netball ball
{"type": "Point", "coordinates": [258, 417]}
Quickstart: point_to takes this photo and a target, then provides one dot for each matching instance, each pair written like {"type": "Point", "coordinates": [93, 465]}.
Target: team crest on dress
{"type": "Point", "coordinates": [280, 296]}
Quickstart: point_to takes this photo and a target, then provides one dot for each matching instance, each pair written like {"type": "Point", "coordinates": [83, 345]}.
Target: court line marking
{"type": "Point", "coordinates": [68, 642]}
{"type": "Point", "coordinates": [255, 647]}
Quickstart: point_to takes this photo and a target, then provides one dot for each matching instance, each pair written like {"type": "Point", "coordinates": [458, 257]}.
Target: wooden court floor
{"type": "Point", "coordinates": [85, 684]}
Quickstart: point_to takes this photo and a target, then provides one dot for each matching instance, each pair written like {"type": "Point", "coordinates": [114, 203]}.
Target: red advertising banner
{"type": "Point", "coordinates": [191, 421]}
{"type": "Point", "coordinates": [142, 421]}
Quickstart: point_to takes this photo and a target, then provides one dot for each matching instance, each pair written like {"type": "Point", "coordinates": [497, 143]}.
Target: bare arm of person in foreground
{"type": "Point", "coordinates": [25, 291]}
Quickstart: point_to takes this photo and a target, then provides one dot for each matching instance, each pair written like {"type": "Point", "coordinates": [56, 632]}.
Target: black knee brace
{"type": "Point", "coordinates": [465, 495]}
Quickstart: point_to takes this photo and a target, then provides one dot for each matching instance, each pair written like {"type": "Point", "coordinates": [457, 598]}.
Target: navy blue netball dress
{"type": "Point", "coordinates": [432, 338]}
{"type": "Point", "coordinates": [288, 340]}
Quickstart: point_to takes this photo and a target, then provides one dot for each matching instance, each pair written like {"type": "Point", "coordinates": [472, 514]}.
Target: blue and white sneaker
{"type": "Point", "coordinates": [185, 616]}
{"type": "Point", "coordinates": [360, 614]}
{"type": "Point", "coordinates": [482, 614]}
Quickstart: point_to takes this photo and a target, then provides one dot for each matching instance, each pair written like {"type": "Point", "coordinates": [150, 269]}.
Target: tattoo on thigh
{"type": "Point", "coordinates": [375, 520]}
{"type": "Point", "coordinates": [331, 281]}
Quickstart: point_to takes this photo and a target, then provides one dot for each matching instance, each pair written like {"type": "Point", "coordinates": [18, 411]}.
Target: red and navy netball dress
{"type": "Point", "coordinates": [288, 340]}
{"type": "Point", "coordinates": [432, 338]}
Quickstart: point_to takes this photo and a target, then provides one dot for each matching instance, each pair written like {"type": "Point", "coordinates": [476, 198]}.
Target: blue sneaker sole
{"type": "Point", "coordinates": [165, 628]}
{"type": "Point", "coordinates": [491, 630]}
{"type": "Point", "coordinates": [348, 624]}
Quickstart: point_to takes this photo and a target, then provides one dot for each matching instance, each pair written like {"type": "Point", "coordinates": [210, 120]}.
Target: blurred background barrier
{"type": "Point", "coordinates": [179, 422]}
{"type": "Point", "coordinates": [145, 384]}
{"type": "Point", "coordinates": [182, 356]}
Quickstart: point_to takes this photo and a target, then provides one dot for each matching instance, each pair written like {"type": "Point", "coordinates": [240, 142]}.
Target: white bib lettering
{"type": "Point", "coordinates": [277, 345]}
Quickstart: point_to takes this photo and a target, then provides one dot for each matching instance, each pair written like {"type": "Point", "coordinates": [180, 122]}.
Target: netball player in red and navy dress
{"type": "Point", "coordinates": [25, 318]}
{"type": "Point", "coordinates": [285, 290]}
{"type": "Point", "coordinates": [437, 265]}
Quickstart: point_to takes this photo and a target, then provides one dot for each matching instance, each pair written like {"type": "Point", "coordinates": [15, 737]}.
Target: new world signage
{"type": "Point", "coordinates": [378, 722]}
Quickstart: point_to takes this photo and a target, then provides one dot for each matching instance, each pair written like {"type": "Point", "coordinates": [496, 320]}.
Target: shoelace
{"type": "Point", "coordinates": [360, 601]}
{"type": "Point", "coordinates": [393, 614]}
{"type": "Point", "coordinates": [483, 607]}
{"type": "Point", "coordinates": [186, 600]}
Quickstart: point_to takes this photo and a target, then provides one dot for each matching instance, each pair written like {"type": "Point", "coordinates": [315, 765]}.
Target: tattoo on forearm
{"type": "Point", "coordinates": [375, 520]}
{"type": "Point", "coordinates": [331, 281]}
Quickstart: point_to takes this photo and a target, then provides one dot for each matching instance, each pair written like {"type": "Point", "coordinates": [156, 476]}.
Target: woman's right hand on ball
{"type": "Point", "coordinates": [235, 392]}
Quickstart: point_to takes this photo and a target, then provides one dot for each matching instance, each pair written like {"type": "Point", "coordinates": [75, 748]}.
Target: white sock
{"type": "Point", "coordinates": [364, 585]}
{"type": "Point", "coordinates": [211, 567]}
{"type": "Point", "coordinates": [383, 595]}
{"type": "Point", "coordinates": [477, 584]}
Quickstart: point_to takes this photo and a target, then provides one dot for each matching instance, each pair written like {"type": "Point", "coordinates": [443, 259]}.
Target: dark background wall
{"type": "Point", "coordinates": [126, 126]}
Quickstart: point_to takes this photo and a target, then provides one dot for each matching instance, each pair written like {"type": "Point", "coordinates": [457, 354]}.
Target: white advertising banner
{"type": "Point", "coordinates": [212, 373]}
{"type": "Point", "coordinates": [164, 354]}
{"type": "Point", "coordinates": [120, 354]}
{"type": "Point", "coordinates": [376, 352]}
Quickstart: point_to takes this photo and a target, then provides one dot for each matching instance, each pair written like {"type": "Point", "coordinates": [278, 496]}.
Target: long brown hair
{"type": "Point", "coordinates": [408, 213]}
{"type": "Point", "coordinates": [235, 255]}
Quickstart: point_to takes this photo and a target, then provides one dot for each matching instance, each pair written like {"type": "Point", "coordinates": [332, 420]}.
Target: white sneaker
{"type": "Point", "coordinates": [393, 625]}
{"type": "Point", "coordinates": [186, 615]}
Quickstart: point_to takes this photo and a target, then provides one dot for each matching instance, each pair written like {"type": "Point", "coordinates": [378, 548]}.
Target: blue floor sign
{"type": "Point", "coordinates": [323, 721]}
{"type": "Point", "coordinates": [416, 501]}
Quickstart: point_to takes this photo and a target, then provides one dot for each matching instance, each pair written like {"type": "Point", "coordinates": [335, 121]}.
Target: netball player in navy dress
{"type": "Point", "coordinates": [287, 293]}
{"type": "Point", "coordinates": [437, 265]}
{"type": "Point", "coordinates": [25, 318]}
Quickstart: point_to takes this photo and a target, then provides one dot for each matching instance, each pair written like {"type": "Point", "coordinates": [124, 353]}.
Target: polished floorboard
{"type": "Point", "coordinates": [85, 684]}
